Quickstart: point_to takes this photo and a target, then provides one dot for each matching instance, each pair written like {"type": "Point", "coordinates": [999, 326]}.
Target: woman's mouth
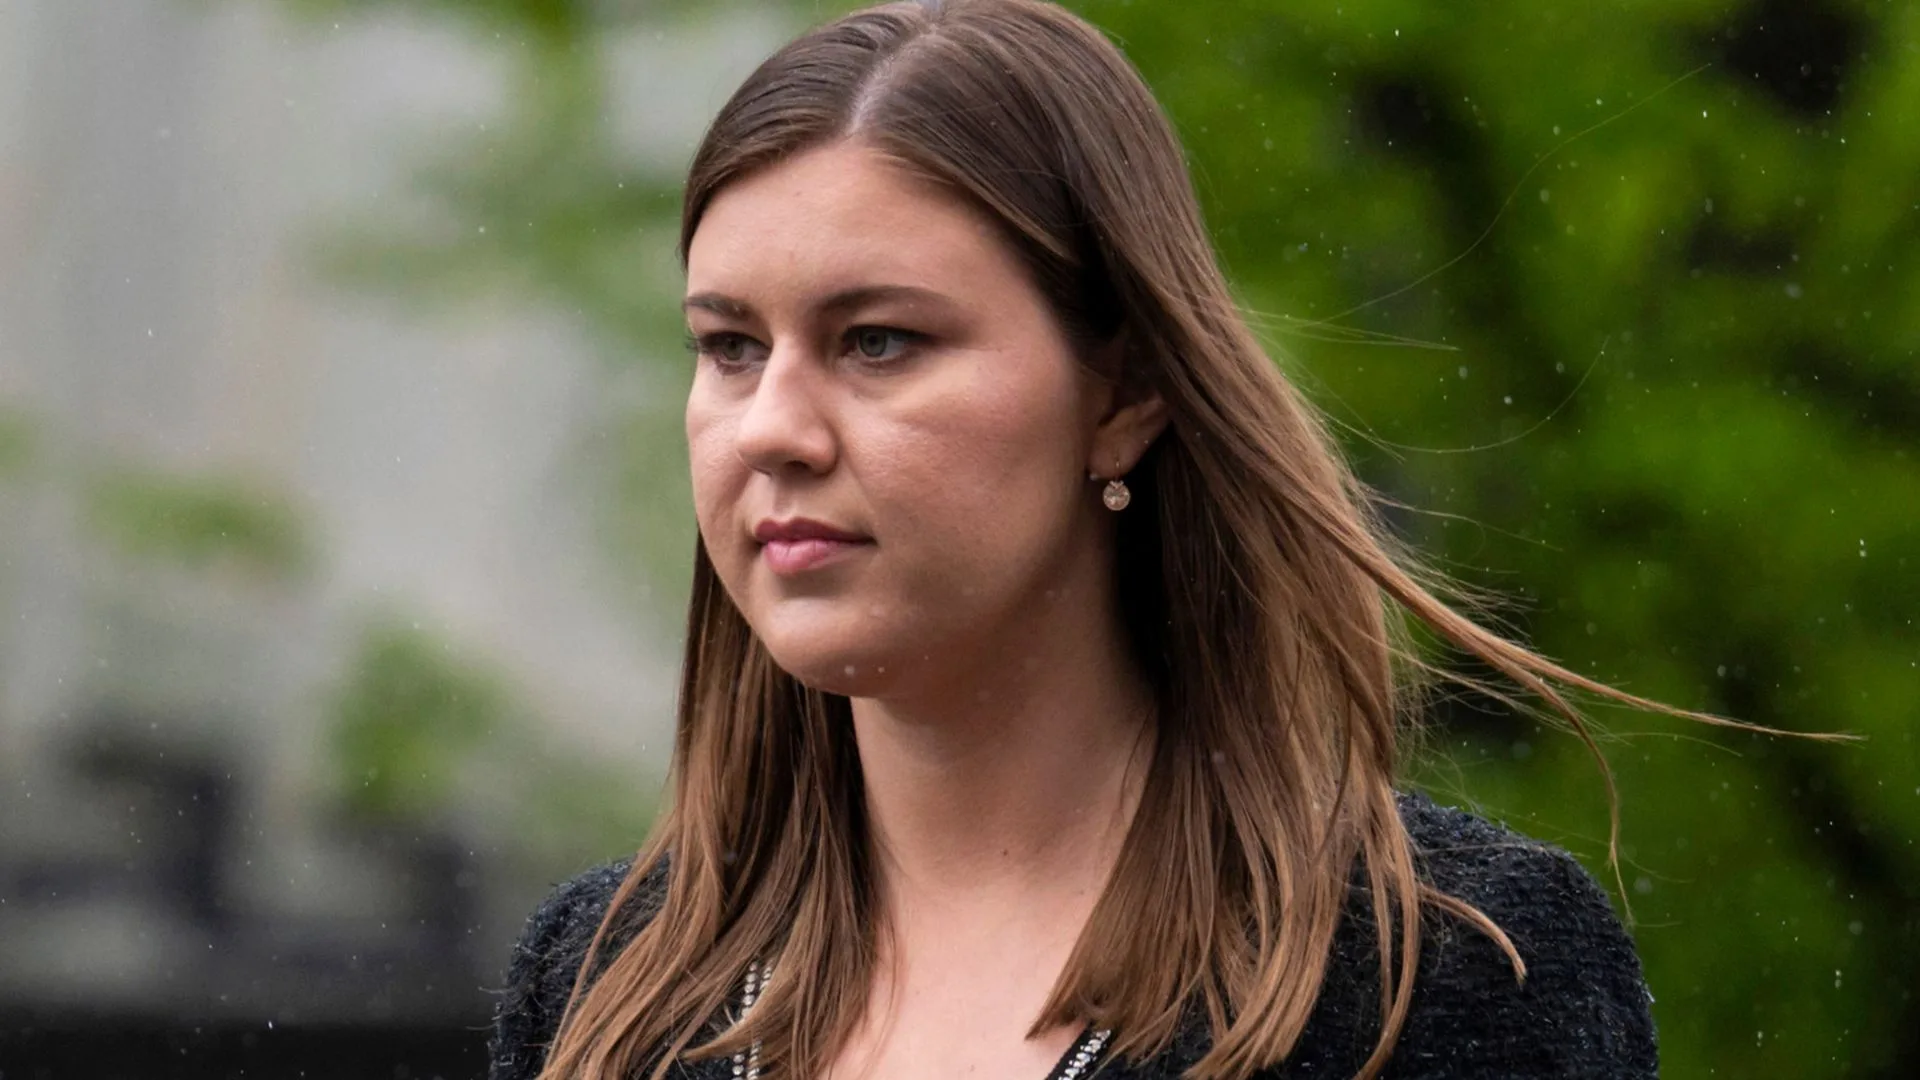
{"type": "Point", "coordinates": [798, 545]}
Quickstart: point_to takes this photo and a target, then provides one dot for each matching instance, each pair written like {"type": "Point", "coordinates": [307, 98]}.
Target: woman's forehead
{"type": "Point", "coordinates": [838, 218]}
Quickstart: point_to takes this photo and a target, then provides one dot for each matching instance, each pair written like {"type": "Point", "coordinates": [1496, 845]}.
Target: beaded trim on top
{"type": "Point", "coordinates": [746, 1063]}
{"type": "Point", "coordinates": [1081, 1056]}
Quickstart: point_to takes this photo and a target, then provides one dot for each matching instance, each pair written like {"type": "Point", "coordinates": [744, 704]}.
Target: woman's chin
{"type": "Point", "coordinates": [831, 645]}
{"type": "Point", "coordinates": [858, 675]}
{"type": "Point", "coordinates": [852, 666]}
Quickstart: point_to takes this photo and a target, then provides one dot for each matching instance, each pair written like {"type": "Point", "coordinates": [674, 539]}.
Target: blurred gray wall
{"type": "Point", "coordinates": [164, 171]}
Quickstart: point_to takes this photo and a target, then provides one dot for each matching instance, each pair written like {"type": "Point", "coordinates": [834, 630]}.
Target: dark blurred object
{"type": "Point", "coordinates": [107, 1048]}
{"type": "Point", "coordinates": [222, 984]}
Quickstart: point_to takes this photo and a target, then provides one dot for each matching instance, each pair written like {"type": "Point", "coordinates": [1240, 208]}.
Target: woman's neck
{"type": "Point", "coordinates": [1020, 785]}
{"type": "Point", "coordinates": [1000, 785]}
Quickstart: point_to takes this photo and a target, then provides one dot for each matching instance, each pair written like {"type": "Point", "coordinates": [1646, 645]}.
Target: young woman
{"type": "Point", "coordinates": [1042, 678]}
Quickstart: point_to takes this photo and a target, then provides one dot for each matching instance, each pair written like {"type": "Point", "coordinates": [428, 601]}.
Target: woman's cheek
{"type": "Point", "coordinates": [713, 468]}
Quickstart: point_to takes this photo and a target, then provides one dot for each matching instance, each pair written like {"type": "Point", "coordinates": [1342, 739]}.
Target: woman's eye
{"type": "Point", "coordinates": [880, 342]}
{"type": "Point", "coordinates": [725, 348]}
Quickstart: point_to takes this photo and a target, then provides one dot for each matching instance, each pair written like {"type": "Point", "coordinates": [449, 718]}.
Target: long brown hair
{"type": "Point", "coordinates": [1263, 599]}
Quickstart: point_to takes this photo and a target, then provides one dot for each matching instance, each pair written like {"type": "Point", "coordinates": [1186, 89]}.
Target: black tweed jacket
{"type": "Point", "coordinates": [1582, 1011]}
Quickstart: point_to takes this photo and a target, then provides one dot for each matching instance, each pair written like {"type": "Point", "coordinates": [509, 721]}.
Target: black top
{"type": "Point", "coordinates": [1582, 1011]}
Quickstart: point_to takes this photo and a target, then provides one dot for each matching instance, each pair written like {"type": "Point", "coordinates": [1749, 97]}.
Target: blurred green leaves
{"type": "Point", "coordinates": [542, 202]}
{"type": "Point", "coordinates": [18, 439]}
{"type": "Point", "coordinates": [536, 206]}
{"type": "Point", "coordinates": [422, 730]}
{"type": "Point", "coordinates": [199, 522]}
{"type": "Point", "coordinates": [559, 21]}
{"type": "Point", "coordinates": [542, 208]}
{"type": "Point", "coordinates": [1661, 246]}
{"type": "Point", "coordinates": [410, 713]}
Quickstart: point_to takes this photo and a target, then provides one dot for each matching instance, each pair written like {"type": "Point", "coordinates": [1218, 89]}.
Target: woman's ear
{"type": "Point", "coordinates": [1124, 435]}
{"type": "Point", "coordinates": [1134, 414]}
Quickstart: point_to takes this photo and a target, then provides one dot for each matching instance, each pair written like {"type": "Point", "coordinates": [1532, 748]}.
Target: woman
{"type": "Point", "coordinates": [1041, 691]}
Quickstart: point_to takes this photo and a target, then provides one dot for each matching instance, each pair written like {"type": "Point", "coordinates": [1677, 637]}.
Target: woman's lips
{"type": "Point", "coordinates": [801, 544]}
{"type": "Point", "coordinates": [801, 555]}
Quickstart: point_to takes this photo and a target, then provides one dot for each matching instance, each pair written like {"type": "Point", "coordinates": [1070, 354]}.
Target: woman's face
{"type": "Point", "coordinates": [890, 436]}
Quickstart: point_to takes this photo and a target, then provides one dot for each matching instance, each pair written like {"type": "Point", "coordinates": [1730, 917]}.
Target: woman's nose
{"type": "Point", "coordinates": [785, 425]}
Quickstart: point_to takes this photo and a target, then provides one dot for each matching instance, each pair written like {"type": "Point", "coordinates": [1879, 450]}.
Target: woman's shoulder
{"type": "Point", "coordinates": [1538, 894]}
{"type": "Point", "coordinates": [546, 960]}
{"type": "Point", "coordinates": [1582, 1008]}
{"type": "Point", "coordinates": [1495, 868]}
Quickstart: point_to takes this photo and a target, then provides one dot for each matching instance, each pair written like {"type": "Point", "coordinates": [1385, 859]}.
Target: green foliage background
{"type": "Point", "coordinates": [1623, 292]}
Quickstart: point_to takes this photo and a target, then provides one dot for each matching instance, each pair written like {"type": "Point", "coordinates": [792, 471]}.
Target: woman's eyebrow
{"type": "Point", "coordinates": [725, 306]}
{"type": "Point", "coordinates": [837, 303]}
{"type": "Point", "coordinates": [866, 295]}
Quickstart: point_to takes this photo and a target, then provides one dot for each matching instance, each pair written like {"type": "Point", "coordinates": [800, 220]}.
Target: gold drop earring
{"type": "Point", "coordinates": [1115, 496]}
